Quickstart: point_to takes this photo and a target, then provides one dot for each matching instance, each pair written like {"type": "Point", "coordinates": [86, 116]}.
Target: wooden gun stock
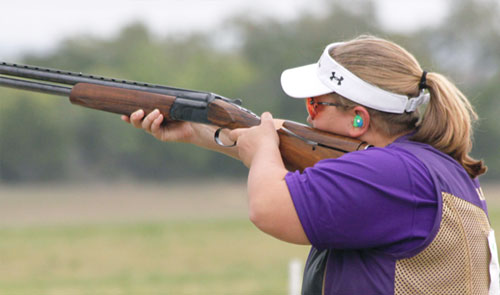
{"type": "Point", "coordinates": [302, 146]}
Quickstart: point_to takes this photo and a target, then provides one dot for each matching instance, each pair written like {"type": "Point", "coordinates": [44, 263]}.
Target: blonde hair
{"type": "Point", "coordinates": [447, 121]}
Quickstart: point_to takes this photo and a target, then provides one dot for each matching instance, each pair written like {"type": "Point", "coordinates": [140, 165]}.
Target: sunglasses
{"type": "Point", "coordinates": [312, 106]}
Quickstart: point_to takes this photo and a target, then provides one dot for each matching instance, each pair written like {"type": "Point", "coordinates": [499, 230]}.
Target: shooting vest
{"type": "Point", "coordinates": [456, 257]}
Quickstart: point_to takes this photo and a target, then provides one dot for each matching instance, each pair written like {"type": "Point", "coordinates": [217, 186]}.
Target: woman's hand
{"type": "Point", "coordinates": [172, 131]}
{"type": "Point", "coordinates": [255, 141]}
{"type": "Point", "coordinates": [198, 134]}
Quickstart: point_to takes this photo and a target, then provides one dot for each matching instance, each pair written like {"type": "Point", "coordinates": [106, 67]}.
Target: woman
{"type": "Point", "coordinates": [406, 216]}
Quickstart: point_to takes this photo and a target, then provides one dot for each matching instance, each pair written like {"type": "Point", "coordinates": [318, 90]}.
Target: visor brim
{"type": "Point", "coordinates": [303, 82]}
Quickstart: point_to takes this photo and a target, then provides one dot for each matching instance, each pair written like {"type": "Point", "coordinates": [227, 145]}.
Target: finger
{"type": "Point", "coordinates": [146, 123]}
{"type": "Point", "coordinates": [136, 117]}
{"type": "Point", "coordinates": [267, 115]}
{"type": "Point", "coordinates": [155, 126]}
{"type": "Point", "coordinates": [125, 118]}
{"type": "Point", "coordinates": [266, 120]}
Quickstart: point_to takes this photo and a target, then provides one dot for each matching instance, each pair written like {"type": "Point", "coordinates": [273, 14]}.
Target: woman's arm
{"type": "Point", "coordinates": [270, 204]}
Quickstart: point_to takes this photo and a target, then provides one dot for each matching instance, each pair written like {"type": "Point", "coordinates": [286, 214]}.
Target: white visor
{"type": "Point", "coordinates": [327, 76]}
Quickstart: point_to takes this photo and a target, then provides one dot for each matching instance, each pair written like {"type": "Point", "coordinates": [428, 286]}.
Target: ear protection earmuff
{"type": "Point", "coordinates": [358, 121]}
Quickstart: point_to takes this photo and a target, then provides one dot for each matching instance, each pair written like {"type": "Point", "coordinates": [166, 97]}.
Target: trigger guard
{"type": "Point", "coordinates": [219, 142]}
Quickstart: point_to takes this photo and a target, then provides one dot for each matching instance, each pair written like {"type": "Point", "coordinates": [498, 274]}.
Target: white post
{"type": "Point", "coordinates": [294, 277]}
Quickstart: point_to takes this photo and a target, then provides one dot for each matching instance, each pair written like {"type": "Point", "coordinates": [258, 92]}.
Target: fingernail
{"type": "Point", "coordinates": [138, 113]}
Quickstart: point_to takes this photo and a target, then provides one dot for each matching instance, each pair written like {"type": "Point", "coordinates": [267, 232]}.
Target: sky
{"type": "Point", "coordinates": [36, 26]}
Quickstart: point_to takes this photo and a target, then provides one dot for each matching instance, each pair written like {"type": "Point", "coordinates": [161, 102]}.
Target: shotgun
{"type": "Point", "coordinates": [301, 146]}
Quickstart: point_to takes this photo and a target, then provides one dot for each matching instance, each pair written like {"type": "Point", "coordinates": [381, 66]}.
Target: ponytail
{"type": "Point", "coordinates": [447, 123]}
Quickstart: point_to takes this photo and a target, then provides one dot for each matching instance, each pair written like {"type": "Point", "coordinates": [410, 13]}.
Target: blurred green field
{"type": "Point", "coordinates": [143, 239]}
{"type": "Point", "coordinates": [183, 257]}
{"type": "Point", "coordinates": [202, 244]}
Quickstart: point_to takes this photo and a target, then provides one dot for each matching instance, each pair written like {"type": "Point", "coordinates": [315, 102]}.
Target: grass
{"type": "Point", "coordinates": [178, 257]}
{"type": "Point", "coordinates": [143, 239]}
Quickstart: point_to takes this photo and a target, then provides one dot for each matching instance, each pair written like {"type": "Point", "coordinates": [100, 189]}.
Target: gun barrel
{"type": "Point", "coordinates": [72, 78]}
{"type": "Point", "coordinates": [35, 86]}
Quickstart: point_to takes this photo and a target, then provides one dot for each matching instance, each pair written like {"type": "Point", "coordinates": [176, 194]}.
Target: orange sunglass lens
{"type": "Point", "coordinates": [311, 108]}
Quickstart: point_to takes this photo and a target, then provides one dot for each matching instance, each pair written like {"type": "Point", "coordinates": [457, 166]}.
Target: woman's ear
{"type": "Point", "coordinates": [360, 121]}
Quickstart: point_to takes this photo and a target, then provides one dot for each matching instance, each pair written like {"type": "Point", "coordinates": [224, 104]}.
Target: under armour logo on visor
{"type": "Point", "coordinates": [337, 78]}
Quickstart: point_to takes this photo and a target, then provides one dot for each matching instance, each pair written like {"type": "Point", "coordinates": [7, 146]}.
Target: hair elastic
{"type": "Point", "coordinates": [423, 80]}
